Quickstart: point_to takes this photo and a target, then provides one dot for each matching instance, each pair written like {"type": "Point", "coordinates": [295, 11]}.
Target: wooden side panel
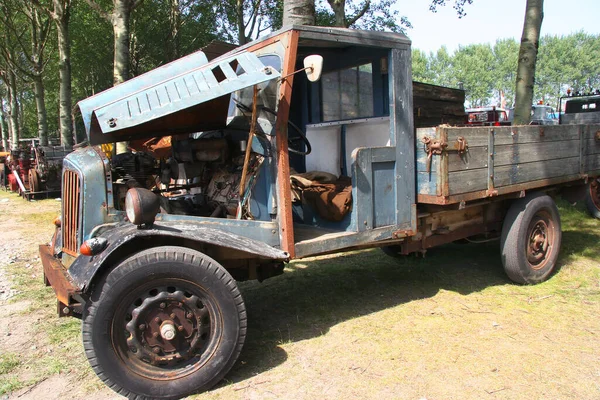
{"type": "Point", "coordinates": [505, 157]}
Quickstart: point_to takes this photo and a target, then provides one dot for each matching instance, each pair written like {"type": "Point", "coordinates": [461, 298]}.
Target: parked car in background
{"type": "Point", "coordinates": [487, 116]}
{"type": "Point", "coordinates": [543, 115]}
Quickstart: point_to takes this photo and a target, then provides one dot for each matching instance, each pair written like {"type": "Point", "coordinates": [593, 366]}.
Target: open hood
{"type": "Point", "coordinates": [185, 96]}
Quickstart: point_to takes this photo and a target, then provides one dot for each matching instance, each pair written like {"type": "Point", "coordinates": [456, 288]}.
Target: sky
{"type": "Point", "coordinates": [488, 20]}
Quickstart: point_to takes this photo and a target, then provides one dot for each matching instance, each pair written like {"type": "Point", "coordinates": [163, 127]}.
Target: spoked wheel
{"type": "Point", "coordinates": [165, 323]}
{"type": "Point", "coordinates": [531, 238]}
{"type": "Point", "coordinates": [592, 198]}
{"type": "Point", "coordinates": [34, 180]}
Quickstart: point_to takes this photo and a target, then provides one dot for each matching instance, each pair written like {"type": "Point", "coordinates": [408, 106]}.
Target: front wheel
{"type": "Point", "coordinates": [592, 198]}
{"type": "Point", "coordinates": [165, 323]}
{"type": "Point", "coordinates": [531, 238]}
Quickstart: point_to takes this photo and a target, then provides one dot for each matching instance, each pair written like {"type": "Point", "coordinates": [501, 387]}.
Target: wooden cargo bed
{"type": "Point", "coordinates": [489, 161]}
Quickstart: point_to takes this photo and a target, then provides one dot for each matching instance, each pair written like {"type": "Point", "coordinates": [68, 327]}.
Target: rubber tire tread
{"type": "Point", "coordinates": [514, 232]}
{"type": "Point", "coordinates": [592, 208]}
{"type": "Point", "coordinates": [205, 268]}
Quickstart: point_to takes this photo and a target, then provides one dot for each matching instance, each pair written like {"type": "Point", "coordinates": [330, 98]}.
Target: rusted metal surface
{"type": "Point", "coordinates": [167, 325]}
{"type": "Point", "coordinates": [57, 276]}
{"type": "Point", "coordinates": [433, 147]}
{"type": "Point", "coordinates": [284, 198]}
{"type": "Point", "coordinates": [540, 240]}
{"type": "Point", "coordinates": [439, 239]}
{"type": "Point", "coordinates": [127, 237]}
{"type": "Point", "coordinates": [70, 211]}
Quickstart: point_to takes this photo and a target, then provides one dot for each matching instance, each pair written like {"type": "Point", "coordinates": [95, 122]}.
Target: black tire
{"type": "Point", "coordinates": [191, 296]}
{"type": "Point", "coordinates": [592, 198]}
{"type": "Point", "coordinates": [531, 238]}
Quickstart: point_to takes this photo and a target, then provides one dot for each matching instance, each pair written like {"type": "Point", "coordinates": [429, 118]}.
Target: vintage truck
{"type": "Point", "coordinates": [244, 163]}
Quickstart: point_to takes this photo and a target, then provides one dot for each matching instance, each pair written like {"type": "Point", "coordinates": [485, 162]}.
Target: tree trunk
{"type": "Point", "coordinates": [3, 127]}
{"type": "Point", "coordinates": [527, 60]}
{"type": "Point", "coordinates": [13, 111]}
{"type": "Point", "coordinates": [62, 10]}
{"type": "Point", "coordinates": [339, 12]}
{"type": "Point", "coordinates": [120, 20]}
{"type": "Point", "coordinates": [298, 12]}
{"type": "Point", "coordinates": [173, 42]}
{"type": "Point", "coordinates": [239, 14]}
{"type": "Point", "coordinates": [38, 88]}
{"type": "Point", "coordinates": [39, 34]}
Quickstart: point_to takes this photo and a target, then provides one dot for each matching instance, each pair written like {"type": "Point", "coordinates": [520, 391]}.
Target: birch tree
{"type": "Point", "coordinates": [32, 60]}
{"type": "Point", "coordinates": [120, 18]}
{"type": "Point", "coordinates": [530, 41]}
{"type": "Point", "coordinates": [61, 15]}
{"type": "Point", "coordinates": [298, 12]}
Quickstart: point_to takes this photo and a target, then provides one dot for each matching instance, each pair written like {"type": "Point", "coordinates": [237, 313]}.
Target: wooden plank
{"type": "Point", "coordinates": [522, 173]}
{"type": "Point", "coordinates": [467, 181]}
{"type": "Point", "coordinates": [427, 183]}
{"type": "Point", "coordinates": [475, 158]}
{"type": "Point", "coordinates": [591, 146]}
{"type": "Point", "coordinates": [531, 152]}
{"type": "Point", "coordinates": [592, 163]}
{"type": "Point", "coordinates": [513, 134]}
{"type": "Point", "coordinates": [363, 179]}
{"type": "Point", "coordinates": [284, 198]}
{"type": "Point", "coordinates": [384, 201]}
{"type": "Point", "coordinates": [403, 133]}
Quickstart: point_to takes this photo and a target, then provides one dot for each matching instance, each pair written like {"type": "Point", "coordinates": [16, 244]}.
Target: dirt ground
{"type": "Point", "coordinates": [359, 325]}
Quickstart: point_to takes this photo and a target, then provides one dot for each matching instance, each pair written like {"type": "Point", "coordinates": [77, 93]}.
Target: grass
{"type": "Point", "coordinates": [8, 362]}
{"type": "Point", "coordinates": [364, 325]}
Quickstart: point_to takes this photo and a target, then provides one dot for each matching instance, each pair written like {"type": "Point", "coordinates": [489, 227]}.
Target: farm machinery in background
{"type": "Point", "coordinates": [34, 171]}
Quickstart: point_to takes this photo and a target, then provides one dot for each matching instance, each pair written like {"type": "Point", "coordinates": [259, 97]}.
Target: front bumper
{"type": "Point", "coordinates": [57, 276]}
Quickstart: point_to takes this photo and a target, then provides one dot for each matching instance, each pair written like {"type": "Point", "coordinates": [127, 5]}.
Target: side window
{"type": "Point", "coordinates": [347, 93]}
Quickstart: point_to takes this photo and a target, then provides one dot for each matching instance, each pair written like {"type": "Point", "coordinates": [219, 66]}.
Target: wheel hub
{"type": "Point", "coordinates": [167, 326]}
{"type": "Point", "coordinates": [539, 243]}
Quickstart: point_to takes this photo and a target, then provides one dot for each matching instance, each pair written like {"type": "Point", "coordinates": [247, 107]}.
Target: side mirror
{"type": "Point", "coordinates": [313, 66]}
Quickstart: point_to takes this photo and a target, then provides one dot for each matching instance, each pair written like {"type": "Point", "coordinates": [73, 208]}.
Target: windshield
{"type": "Point", "coordinates": [241, 101]}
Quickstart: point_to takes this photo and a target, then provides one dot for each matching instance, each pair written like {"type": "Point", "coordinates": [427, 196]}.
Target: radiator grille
{"type": "Point", "coordinates": [70, 212]}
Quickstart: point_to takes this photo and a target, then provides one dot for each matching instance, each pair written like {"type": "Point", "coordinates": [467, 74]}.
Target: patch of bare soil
{"type": "Point", "coordinates": [23, 226]}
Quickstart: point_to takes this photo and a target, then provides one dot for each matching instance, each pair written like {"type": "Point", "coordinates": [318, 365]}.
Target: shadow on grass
{"type": "Point", "coordinates": [312, 296]}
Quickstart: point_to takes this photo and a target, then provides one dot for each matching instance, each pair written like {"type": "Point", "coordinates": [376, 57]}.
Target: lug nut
{"type": "Point", "coordinates": [162, 305]}
{"type": "Point", "coordinates": [156, 350]}
{"type": "Point", "coordinates": [142, 327]}
{"type": "Point", "coordinates": [156, 319]}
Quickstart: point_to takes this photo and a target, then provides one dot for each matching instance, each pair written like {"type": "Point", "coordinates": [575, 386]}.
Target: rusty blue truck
{"type": "Point", "coordinates": [299, 144]}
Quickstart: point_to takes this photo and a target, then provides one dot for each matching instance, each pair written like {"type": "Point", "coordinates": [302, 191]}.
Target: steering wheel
{"type": "Point", "coordinates": [291, 141]}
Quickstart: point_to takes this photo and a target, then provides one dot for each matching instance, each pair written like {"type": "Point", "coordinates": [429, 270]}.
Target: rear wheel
{"type": "Point", "coordinates": [592, 198]}
{"type": "Point", "coordinates": [531, 238]}
{"type": "Point", "coordinates": [165, 323]}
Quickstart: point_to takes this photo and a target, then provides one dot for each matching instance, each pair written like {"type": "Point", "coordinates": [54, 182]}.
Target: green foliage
{"type": "Point", "coordinates": [486, 70]}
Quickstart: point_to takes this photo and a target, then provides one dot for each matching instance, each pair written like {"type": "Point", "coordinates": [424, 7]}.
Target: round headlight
{"type": "Point", "coordinates": [141, 206]}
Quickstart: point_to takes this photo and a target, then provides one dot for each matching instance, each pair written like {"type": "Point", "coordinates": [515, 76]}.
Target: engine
{"type": "Point", "coordinates": [197, 176]}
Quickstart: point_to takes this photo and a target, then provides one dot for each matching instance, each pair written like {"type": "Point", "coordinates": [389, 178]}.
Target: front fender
{"type": "Point", "coordinates": [85, 268]}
